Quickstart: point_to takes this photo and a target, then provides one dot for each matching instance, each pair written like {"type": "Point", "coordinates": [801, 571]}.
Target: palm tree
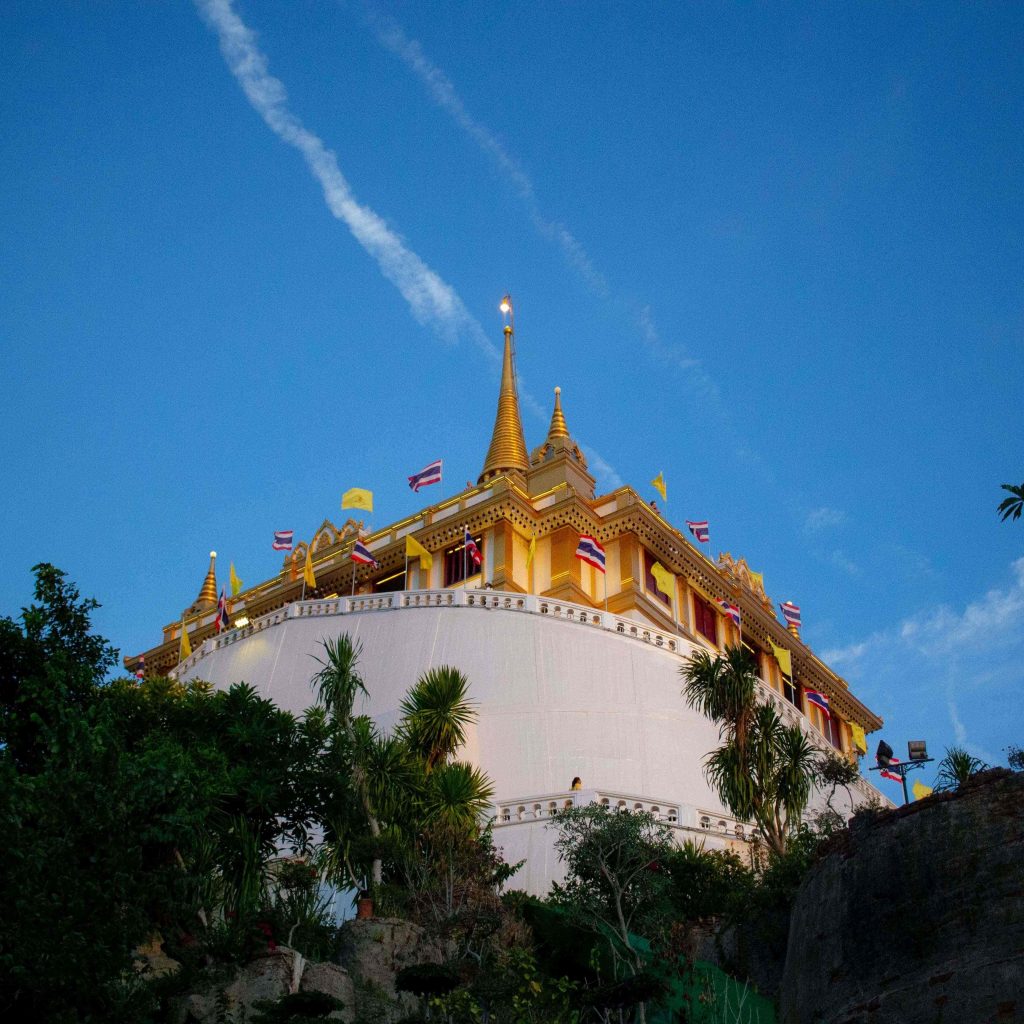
{"type": "Point", "coordinates": [763, 770]}
{"type": "Point", "coordinates": [956, 768]}
{"type": "Point", "coordinates": [337, 684]}
{"type": "Point", "coordinates": [456, 795]}
{"type": "Point", "coordinates": [1013, 506]}
{"type": "Point", "coordinates": [436, 713]}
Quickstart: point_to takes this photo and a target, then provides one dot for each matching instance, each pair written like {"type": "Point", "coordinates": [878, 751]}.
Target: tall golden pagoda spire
{"type": "Point", "coordinates": [508, 446]}
{"type": "Point", "coordinates": [558, 427]}
{"type": "Point", "coordinates": [208, 592]}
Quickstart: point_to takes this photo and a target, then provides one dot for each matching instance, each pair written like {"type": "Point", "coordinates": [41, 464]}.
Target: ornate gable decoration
{"type": "Point", "coordinates": [741, 572]}
{"type": "Point", "coordinates": [326, 536]}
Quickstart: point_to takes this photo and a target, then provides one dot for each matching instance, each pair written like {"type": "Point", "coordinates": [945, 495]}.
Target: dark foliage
{"type": "Point", "coordinates": [427, 979]}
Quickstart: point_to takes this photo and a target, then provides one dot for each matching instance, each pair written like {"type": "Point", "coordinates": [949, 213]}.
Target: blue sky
{"type": "Point", "coordinates": [773, 253]}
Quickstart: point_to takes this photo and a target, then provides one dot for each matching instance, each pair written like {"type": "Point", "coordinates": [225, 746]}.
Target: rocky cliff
{"type": "Point", "coordinates": [916, 916]}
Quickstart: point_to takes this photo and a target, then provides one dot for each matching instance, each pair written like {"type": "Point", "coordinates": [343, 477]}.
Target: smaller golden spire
{"type": "Point", "coordinates": [558, 427]}
{"type": "Point", "coordinates": [208, 593]}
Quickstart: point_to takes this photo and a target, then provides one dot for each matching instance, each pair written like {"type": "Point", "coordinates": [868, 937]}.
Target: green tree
{"type": "Point", "coordinates": [956, 767]}
{"type": "Point", "coordinates": [615, 882]}
{"type": "Point", "coordinates": [763, 770]}
{"type": "Point", "coordinates": [435, 715]}
{"type": "Point", "coordinates": [1013, 506]}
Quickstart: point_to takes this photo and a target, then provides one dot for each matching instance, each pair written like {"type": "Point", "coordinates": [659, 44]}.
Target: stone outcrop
{"type": "Point", "coordinates": [916, 916]}
{"type": "Point", "coordinates": [373, 951]}
{"type": "Point", "coordinates": [267, 978]}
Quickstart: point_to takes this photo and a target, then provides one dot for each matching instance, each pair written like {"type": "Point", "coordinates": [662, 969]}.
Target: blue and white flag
{"type": "Point", "coordinates": [361, 553]}
{"type": "Point", "coordinates": [731, 610]}
{"type": "Point", "coordinates": [589, 551]}
{"type": "Point", "coordinates": [700, 530]}
{"type": "Point", "coordinates": [819, 700]}
{"type": "Point", "coordinates": [471, 549]}
{"type": "Point", "coordinates": [791, 612]}
{"type": "Point", "coordinates": [428, 475]}
{"type": "Point", "coordinates": [283, 540]}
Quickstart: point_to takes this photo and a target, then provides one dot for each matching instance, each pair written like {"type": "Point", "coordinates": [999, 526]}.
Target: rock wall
{"type": "Point", "coordinates": [917, 917]}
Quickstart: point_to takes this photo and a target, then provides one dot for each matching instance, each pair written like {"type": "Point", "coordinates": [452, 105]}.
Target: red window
{"type": "Point", "coordinates": [651, 583]}
{"type": "Point", "coordinates": [705, 619]}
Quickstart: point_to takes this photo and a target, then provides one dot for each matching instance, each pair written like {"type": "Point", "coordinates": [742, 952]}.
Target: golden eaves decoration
{"type": "Point", "coordinates": [741, 572]}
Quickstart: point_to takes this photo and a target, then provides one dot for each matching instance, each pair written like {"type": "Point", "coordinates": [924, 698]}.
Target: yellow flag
{"type": "Point", "coordinates": [236, 583]}
{"type": "Point", "coordinates": [920, 790]}
{"type": "Point", "coordinates": [357, 497]}
{"type": "Point", "coordinates": [664, 579]}
{"type": "Point", "coordinates": [658, 483]}
{"type": "Point", "coordinates": [532, 551]}
{"type": "Point", "coordinates": [758, 577]}
{"type": "Point", "coordinates": [307, 572]}
{"type": "Point", "coordinates": [413, 548]}
{"type": "Point", "coordinates": [860, 741]}
{"type": "Point", "coordinates": [784, 658]}
{"type": "Point", "coordinates": [186, 648]}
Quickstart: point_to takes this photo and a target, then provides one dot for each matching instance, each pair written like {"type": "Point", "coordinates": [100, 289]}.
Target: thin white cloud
{"type": "Point", "coordinates": [409, 51]}
{"type": "Point", "coordinates": [432, 301]}
{"type": "Point", "coordinates": [968, 662]}
{"type": "Point", "coordinates": [824, 518]}
{"type": "Point", "coordinates": [841, 561]}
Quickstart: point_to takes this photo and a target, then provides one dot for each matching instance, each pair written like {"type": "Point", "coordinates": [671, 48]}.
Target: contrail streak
{"type": "Point", "coordinates": [409, 51]}
{"type": "Point", "coordinates": [433, 302]}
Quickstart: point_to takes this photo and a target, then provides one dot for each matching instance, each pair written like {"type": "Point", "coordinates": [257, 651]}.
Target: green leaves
{"type": "Point", "coordinates": [956, 768]}
{"type": "Point", "coordinates": [1013, 506]}
{"type": "Point", "coordinates": [436, 713]}
{"type": "Point", "coordinates": [764, 770]}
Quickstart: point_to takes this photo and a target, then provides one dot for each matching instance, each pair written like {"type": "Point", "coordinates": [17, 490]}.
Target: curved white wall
{"type": "Point", "coordinates": [556, 698]}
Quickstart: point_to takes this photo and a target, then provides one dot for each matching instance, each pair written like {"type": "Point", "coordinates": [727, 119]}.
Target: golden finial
{"type": "Point", "coordinates": [508, 446]}
{"type": "Point", "coordinates": [208, 593]}
{"type": "Point", "coordinates": [558, 427]}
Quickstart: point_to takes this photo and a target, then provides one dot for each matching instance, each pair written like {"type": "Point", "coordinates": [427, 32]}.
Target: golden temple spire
{"type": "Point", "coordinates": [558, 427]}
{"type": "Point", "coordinates": [508, 446]}
{"type": "Point", "coordinates": [208, 593]}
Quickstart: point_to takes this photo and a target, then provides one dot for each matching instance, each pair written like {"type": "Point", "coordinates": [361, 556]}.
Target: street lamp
{"type": "Point", "coordinates": [893, 768]}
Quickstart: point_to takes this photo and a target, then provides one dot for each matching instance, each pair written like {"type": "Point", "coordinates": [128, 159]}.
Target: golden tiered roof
{"type": "Point", "coordinates": [507, 452]}
{"type": "Point", "coordinates": [558, 426]}
{"type": "Point", "coordinates": [208, 592]}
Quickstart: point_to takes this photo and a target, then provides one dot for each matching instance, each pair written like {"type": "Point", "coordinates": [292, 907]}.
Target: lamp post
{"type": "Point", "coordinates": [917, 757]}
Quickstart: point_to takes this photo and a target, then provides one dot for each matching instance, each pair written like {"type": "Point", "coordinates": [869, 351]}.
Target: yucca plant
{"type": "Point", "coordinates": [436, 713]}
{"type": "Point", "coordinates": [956, 768]}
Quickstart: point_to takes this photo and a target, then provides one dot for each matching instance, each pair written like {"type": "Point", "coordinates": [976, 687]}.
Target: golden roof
{"type": "Point", "coordinates": [208, 592]}
{"type": "Point", "coordinates": [508, 446]}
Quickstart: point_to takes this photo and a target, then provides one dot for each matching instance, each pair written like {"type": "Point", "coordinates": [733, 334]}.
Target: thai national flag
{"type": "Point", "coordinates": [361, 553]}
{"type": "Point", "coordinates": [819, 700]}
{"type": "Point", "coordinates": [222, 621]}
{"type": "Point", "coordinates": [140, 669]}
{"type": "Point", "coordinates": [791, 612]}
{"type": "Point", "coordinates": [283, 540]}
{"type": "Point", "coordinates": [590, 552]}
{"type": "Point", "coordinates": [892, 775]}
{"type": "Point", "coordinates": [731, 610]}
{"type": "Point", "coordinates": [471, 549]}
{"type": "Point", "coordinates": [428, 475]}
{"type": "Point", "coordinates": [700, 530]}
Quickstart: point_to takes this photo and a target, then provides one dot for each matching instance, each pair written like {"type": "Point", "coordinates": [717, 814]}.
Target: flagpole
{"type": "Point", "coordinates": [406, 580]}
{"type": "Point", "coordinates": [465, 560]}
{"type": "Point", "coordinates": [605, 574]}
{"type": "Point", "coordinates": [353, 594]}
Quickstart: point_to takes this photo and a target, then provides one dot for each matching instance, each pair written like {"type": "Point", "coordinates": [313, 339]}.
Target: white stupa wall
{"type": "Point", "coordinates": [556, 698]}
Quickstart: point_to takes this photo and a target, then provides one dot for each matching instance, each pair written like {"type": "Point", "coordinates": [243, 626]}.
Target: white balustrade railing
{"type": "Point", "coordinates": [683, 818]}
